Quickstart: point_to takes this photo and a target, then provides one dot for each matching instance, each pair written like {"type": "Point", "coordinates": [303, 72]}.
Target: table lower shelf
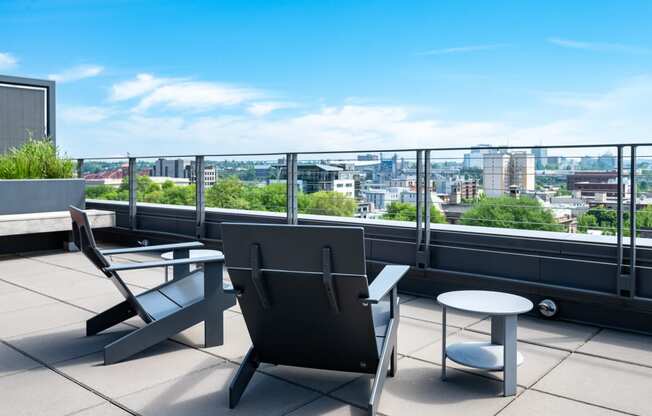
{"type": "Point", "coordinates": [481, 355]}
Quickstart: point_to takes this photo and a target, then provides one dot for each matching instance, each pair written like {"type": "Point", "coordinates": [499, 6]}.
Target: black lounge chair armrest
{"type": "Point", "coordinates": [386, 280]}
{"type": "Point", "coordinates": [163, 263]}
{"type": "Point", "coordinates": [162, 247]}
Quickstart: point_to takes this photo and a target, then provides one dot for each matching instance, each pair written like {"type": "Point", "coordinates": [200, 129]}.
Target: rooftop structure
{"type": "Point", "coordinates": [27, 108]}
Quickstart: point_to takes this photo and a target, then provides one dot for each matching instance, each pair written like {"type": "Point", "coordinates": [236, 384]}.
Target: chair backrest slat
{"type": "Point", "coordinates": [300, 294]}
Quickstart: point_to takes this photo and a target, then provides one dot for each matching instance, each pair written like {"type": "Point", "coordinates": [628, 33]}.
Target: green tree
{"type": "Point", "coordinates": [177, 195]}
{"type": "Point", "coordinates": [330, 203]}
{"type": "Point", "coordinates": [507, 212]}
{"type": "Point", "coordinates": [402, 211]}
{"type": "Point", "coordinates": [227, 193]}
{"type": "Point", "coordinates": [586, 222]}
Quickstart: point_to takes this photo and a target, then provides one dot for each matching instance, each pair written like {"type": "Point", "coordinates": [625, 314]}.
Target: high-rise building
{"type": "Point", "coordinates": [171, 168]}
{"type": "Point", "coordinates": [495, 172]}
{"type": "Point", "coordinates": [522, 171]}
{"type": "Point", "coordinates": [505, 172]}
{"type": "Point", "coordinates": [541, 157]}
{"type": "Point", "coordinates": [474, 159]}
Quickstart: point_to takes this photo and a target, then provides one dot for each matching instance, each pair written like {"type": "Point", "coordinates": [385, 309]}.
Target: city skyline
{"type": "Point", "coordinates": [364, 75]}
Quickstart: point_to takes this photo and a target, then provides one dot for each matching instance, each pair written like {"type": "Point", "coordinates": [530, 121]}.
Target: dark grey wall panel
{"type": "Point", "coordinates": [26, 106]}
{"type": "Point", "coordinates": [40, 195]}
{"type": "Point", "coordinates": [493, 263]}
{"type": "Point", "coordinates": [579, 276]}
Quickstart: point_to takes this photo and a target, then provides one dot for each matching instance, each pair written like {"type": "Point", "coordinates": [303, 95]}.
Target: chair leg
{"type": "Point", "coordinates": [110, 317]}
{"type": "Point", "coordinates": [216, 302]}
{"type": "Point", "coordinates": [383, 369]}
{"type": "Point", "coordinates": [242, 377]}
{"type": "Point", "coordinates": [393, 367]}
{"type": "Point", "coordinates": [214, 329]}
{"type": "Point", "coordinates": [152, 334]}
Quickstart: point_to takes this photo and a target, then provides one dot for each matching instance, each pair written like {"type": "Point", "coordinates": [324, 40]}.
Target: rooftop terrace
{"type": "Point", "coordinates": [48, 366]}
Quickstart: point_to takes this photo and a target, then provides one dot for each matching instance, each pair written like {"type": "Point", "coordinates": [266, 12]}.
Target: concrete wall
{"type": "Point", "coordinates": [26, 106]}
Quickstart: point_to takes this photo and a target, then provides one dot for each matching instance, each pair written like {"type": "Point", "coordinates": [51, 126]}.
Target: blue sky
{"type": "Point", "coordinates": [182, 77]}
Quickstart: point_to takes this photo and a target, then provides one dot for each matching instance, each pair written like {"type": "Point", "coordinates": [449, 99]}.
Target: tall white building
{"type": "Point", "coordinates": [522, 170]}
{"type": "Point", "coordinates": [495, 171]}
{"type": "Point", "coordinates": [503, 170]}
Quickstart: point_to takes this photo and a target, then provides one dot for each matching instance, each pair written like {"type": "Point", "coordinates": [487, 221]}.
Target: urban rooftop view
{"type": "Point", "coordinates": [334, 208]}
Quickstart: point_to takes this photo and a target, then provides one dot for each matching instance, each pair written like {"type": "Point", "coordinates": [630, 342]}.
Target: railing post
{"type": "Point", "coordinates": [419, 210]}
{"type": "Point", "coordinates": [292, 182]}
{"type": "Point", "coordinates": [632, 225]}
{"type": "Point", "coordinates": [133, 181]}
{"type": "Point", "coordinates": [619, 218]}
{"type": "Point", "coordinates": [427, 206]}
{"type": "Point", "coordinates": [80, 166]}
{"type": "Point", "coordinates": [200, 202]}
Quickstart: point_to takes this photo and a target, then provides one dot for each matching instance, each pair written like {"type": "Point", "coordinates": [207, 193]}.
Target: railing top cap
{"type": "Point", "coordinates": [397, 150]}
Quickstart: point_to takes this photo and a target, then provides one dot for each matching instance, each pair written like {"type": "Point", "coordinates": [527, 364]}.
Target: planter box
{"type": "Point", "coordinates": [25, 196]}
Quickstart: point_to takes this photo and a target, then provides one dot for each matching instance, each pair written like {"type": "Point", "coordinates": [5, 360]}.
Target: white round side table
{"type": "Point", "coordinates": [169, 255]}
{"type": "Point", "coordinates": [501, 353]}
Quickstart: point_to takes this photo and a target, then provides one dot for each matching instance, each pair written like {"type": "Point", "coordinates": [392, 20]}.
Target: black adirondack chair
{"type": "Point", "coordinates": [305, 298]}
{"type": "Point", "coordinates": [168, 309]}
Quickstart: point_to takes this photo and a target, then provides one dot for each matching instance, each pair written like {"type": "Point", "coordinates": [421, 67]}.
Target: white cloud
{"type": "Point", "coordinates": [76, 73]}
{"type": "Point", "coordinates": [618, 114]}
{"type": "Point", "coordinates": [196, 96]}
{"type": "Point", "coordinates": [179, 93]}
{"type": "Point", "coordinates": [7, 60]}
{"type": "Point", "coordinates": [463, 49]}
{"type": "Point", "coordinates": [599, 46]}
{"type": "Point", "coordinates": [261, 109]}
{"type": "Point", "coordinates": [81, 114]}
{"type": "Point", "coordinates": [143, 84]}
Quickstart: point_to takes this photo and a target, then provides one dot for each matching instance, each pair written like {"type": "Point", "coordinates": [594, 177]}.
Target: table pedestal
{"type": "Point", "coordinates": [498, 355]}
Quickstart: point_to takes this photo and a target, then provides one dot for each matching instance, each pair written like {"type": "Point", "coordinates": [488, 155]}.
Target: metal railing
{"type": "Point", "coordinates": [626, 275]}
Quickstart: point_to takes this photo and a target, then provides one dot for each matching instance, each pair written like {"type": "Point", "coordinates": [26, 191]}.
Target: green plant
{"type": "Point", "coordinates": [35, 159]}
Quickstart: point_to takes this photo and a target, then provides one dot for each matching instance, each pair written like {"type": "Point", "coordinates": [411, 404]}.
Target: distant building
{"type": "Point", "coordinates": [496, 174]}
{"type": "Point", "coordinates": [172, 168]}
{"type": "Point", "coordinates": [317, 177]}
{"type": "Point", "coordinates": [376, 197]}
{"type": "Point", "coordinates": [508, 173]}
{"type": "Point", "coordinates": [589, 183]}
{"type": "Point", "coordinates": [368, 157]}
{"type": "Point", "coordinates": [181, 168]}
{"type": "Point", "coordinates": [540, 157]}
{"type": "Point", "coordinates": [522, 171]}
{"type": "Point", "coordinates": [381, 198]}
{"type": "Point", "coordinates": [474, 159]}
{"type": "Point", "coordinates": [404, 182]}
{"type": "Point", "coordinates": [463, 190]}
{"type": "Point", "coordinates": [262, 171]}
{"type": "Point", "coordinates": [210, 174]}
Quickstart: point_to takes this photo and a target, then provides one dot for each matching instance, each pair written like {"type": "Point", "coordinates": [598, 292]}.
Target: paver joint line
{"type": "Point", "coordinates": [71, 379]}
